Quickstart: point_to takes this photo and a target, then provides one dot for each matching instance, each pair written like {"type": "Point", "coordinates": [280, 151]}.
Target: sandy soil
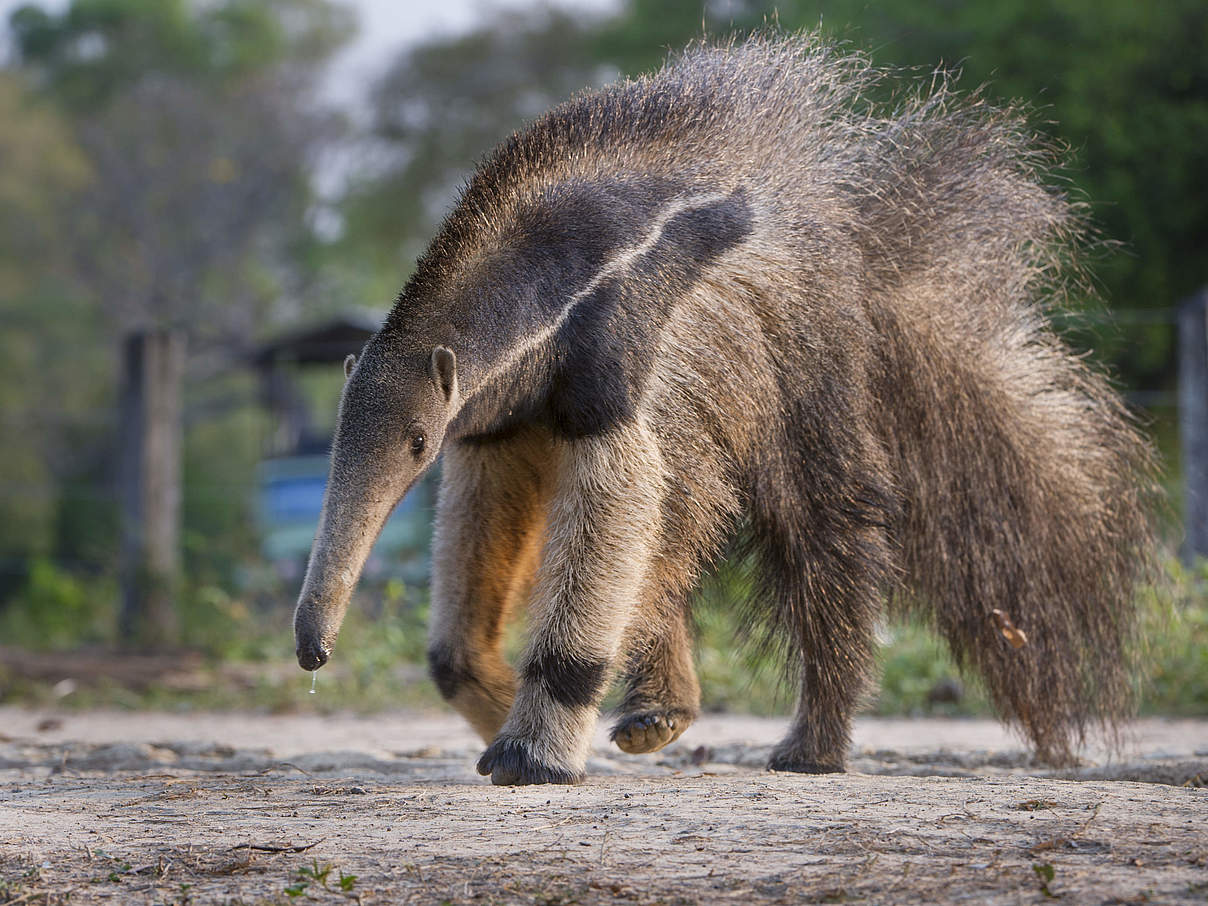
{"type": "Point", "coordinates": [240, 808]}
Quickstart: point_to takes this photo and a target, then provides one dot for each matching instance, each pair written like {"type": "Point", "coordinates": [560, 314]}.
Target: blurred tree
{"type": "Point", "coordinates": [196, 123]}
{"type": "Point", "coordinates": [39, 164]}
{"type": "Point", "coordinates": [97, 48]}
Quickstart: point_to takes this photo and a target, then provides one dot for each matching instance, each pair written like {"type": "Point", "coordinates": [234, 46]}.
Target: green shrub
{"type": "Point", "coordinates": [58, 610]}
{"type": "Point", "coordinates": [1175, 637]}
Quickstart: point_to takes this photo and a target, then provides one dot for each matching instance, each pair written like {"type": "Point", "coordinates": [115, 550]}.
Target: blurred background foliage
{"type": "Point", "coordinates": [165, 163]}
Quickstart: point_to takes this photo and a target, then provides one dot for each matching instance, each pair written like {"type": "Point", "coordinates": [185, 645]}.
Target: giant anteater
{"type": "Point", "coordinates": [740, 297]}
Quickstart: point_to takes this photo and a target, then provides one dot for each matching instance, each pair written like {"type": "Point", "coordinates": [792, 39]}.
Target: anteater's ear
{"type": "Point", "coordinates": [444, 371]}
{"type": "Point", "coordinates": [349, 364]}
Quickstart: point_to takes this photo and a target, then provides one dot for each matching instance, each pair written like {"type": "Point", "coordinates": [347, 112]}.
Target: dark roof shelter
{"type": "Point", "coordinates": [326, 342]}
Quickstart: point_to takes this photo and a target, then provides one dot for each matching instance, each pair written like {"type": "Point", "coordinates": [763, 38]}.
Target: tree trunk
{"type": "Point", "coordinates": [153, 369]}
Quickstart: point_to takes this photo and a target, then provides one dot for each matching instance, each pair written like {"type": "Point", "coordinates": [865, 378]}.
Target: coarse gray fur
{"type": "Point", "coordinates": [738, 297]}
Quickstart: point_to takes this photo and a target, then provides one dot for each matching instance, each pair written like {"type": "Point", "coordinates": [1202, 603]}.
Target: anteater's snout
{"type": "Point", "coordinates": [312, 655]}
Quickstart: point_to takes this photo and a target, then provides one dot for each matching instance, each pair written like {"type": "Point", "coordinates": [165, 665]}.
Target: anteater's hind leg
{"type": "Point", "coordinates": [825, 560]}
{"type": "Point", "coordinates": [662, 694]}
{"type": "Point", "coordinates": [488, 535]}
{"type": "Point", "coordinates": [836, 655]}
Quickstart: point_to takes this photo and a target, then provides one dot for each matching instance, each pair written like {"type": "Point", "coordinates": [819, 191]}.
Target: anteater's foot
{"type": "Point", "coordinates": [798, 764]}
{"type": "Point", "coordinates": [509, 762]}
{"type": "Point", "coordinates": [649, 731]}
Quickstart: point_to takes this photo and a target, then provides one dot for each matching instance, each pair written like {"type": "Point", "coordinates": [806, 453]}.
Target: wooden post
{"type": "Point", "coordinates": [150, 478]}
{"type": "Point", "coordinates": [1193, 422]}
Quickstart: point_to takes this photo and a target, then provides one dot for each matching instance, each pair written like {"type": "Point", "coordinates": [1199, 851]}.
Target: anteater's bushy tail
{"type": "Point", "coordinates": [1027, 490]}
{"type": "Point", "coordinates": [1024, 490]}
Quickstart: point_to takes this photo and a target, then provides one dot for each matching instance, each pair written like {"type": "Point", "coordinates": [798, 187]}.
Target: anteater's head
{"type": "Point", "coordinates": [394, 411]}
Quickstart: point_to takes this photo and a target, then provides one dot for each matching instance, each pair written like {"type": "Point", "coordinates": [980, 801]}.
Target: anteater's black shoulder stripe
{"type": "Point", "coordinates": [590, 272]}
{"type": "Point", "coordinates": [609, 339]}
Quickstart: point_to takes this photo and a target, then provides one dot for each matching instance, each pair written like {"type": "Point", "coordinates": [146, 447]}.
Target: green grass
{"type": "Point", "coordinates": [247, 655]}
{"type": "Point", "coordinates": [1175, 635]}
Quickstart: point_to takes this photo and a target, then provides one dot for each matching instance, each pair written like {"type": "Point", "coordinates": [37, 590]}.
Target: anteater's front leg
{"type": "Point", "coordinates": [488, 536]}
{"type": "Point", "coordinates": [601, 536]}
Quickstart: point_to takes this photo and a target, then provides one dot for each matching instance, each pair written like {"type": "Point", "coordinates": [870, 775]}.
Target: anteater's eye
{"type": "Point", "coordinates": [417, 444]}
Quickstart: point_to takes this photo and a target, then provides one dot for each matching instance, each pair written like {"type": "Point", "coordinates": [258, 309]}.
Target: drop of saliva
{"type": "Point", "coordinates": [314, 678]}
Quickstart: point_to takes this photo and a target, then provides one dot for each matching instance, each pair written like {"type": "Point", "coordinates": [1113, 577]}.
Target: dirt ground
{"type": "Point", "coordinates": [241, 808]}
